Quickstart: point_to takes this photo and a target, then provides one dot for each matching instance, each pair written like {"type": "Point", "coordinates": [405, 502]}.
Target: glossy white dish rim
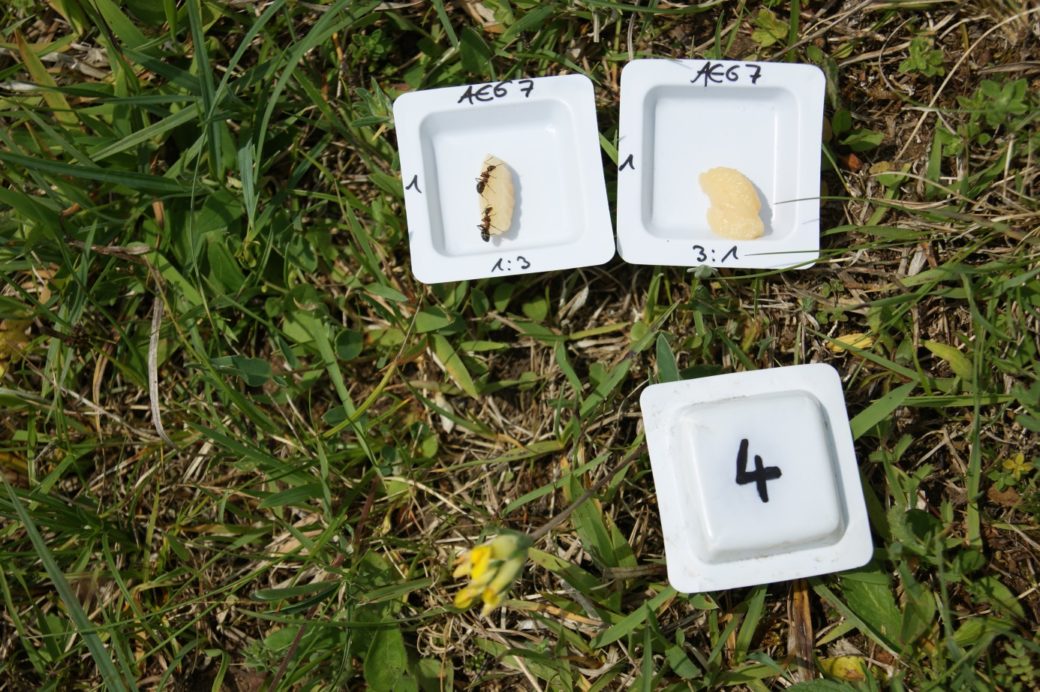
{"type": "Point", "coordinates": [546, 129]}
{"type": "Point", "coordinates": [661, 403]}
{"type": "Point", "coordinates": [770, 130]}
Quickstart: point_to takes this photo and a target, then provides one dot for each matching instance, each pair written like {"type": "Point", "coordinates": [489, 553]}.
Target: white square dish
{"type": "Point", "coordinates": [756, 477]}
{"type": "Point", "coordinates": [546, 131]}
{"type": "Point", "coordinates": [680, 118]}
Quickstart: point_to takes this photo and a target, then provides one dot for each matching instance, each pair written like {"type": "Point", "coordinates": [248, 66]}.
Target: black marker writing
{"type": "Point", "coordinates": [414, 183]}
{"type": "Point", "coordinates": [522, 264]}
{"type": "Point", "coordinates": [717, 73]}
{"type": "Point", "coordinates": [484, 93]}
{"type": "Point", "coordinates": [479, 94]}
{"type": "Point", "coordinates": [710, 72]}
{"type": "Point", "coordinates": [703, 254]}
{"type": "Point", "coordinates": [759, 476]}
{"type": "Point", "coordinates": [628, 162]}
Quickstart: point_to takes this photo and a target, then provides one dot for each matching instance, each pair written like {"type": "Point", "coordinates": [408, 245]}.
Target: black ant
{"type": "Point", "coordinates": [483, 179]}
{"type": "Point", "coordinates": [485, 225]}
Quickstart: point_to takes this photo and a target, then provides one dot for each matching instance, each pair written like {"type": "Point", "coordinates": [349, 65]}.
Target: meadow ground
{"type": "Point", "coordinates": [241, 446]}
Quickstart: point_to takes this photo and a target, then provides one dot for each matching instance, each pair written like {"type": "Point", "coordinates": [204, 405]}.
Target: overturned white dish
{"type": "Point", "coordinates": [756, 477]}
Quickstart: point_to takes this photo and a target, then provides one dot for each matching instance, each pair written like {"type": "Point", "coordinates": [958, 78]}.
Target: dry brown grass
{"type": "Point", "coordinates": [272, 541]}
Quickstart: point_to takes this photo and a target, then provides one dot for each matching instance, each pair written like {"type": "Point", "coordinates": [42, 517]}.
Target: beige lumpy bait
{"type": "Point", "coordinates": [734, 206]}
{"type": "Point", "coordinates": [496, 196]}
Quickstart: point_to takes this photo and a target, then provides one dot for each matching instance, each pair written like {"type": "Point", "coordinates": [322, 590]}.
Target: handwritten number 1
{"type": "Point", "coordinates": [759, 476]}
{"type": "Point", "coordinates": [522, 261]}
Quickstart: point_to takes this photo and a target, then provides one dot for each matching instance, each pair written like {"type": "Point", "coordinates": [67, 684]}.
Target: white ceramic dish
{"type": "Point", "coordinates": [545, 129]}
{"type": "Point", "coordinates": [756, 477]}
{"type": "Point", "coordinates": [680, 118]}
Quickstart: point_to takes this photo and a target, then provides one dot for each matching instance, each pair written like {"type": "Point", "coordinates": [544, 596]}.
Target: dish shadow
{"type": "Point", "coordinates": [765, 212]}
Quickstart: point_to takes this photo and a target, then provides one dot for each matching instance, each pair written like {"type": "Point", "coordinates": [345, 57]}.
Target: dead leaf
{"type": "Point", "coordinates": [13, 340]}
{"type": "Point", "coordinates": [800, 632]}
{"type": "Point", "coordinates": [483, 15]}
{"type": "Point", "coordinates": [1008, 497]}
{"type": "Point", "coordinates": [859, 340]}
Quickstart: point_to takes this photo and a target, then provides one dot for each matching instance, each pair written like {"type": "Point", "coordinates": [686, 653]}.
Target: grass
{"type": "Point", "coordinates": [241, 446]}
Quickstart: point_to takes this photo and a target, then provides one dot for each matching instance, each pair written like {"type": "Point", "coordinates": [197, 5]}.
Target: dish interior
{"type": "Point", "coordinates": [688, 130]}
{"type": "Point", "coordinates": [537, 141]}
{"type": "Point", "coordinates": [729, 520]}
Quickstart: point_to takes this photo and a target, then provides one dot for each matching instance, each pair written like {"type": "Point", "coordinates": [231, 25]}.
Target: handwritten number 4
{"type": "Point", "coordinates": [759, 476]}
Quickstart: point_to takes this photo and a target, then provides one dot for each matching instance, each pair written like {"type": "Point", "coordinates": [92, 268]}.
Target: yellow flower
{"type": "Point", "coordinates": [492, 568]}
{"type": "Point", "coordinates": [1017, 465]}
{"type": "Point", "coordinates": [473, 563]}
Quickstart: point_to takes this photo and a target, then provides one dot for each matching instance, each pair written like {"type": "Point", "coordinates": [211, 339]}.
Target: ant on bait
{"type": "Point", "coordinates": [485, 225]}
{"type": "Point", "coordinates": [484, 176]}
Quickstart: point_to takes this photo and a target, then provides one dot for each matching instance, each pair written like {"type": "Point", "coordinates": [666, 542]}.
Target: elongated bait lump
{"type": "Point", "coordinates": [734, 206]}
{"type": "Point", "coordinates": [496, 197]}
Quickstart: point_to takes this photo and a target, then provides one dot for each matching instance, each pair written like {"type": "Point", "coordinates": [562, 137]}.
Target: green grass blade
{"type": "Point", "coordinates": [154, 131]}
{"type": "Point", "coordinates": [880, 410]}
{"type": "Point", "coordinates": [86, 629]}
{"type": "Point", "coordinates": [336, 18]}
{"type": "Point", "coordinates": [142, 182]}
{"type": "Point", "coordinates": [442, 16]}
{"type": "Point", "coordinates": [633, 620]}
{"type": "Point", "coordinates": [213, 126]}
{"type": "Point", "coordinates": [121, 25]}
{"type": "Point", "coordinates": [55, 99]}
